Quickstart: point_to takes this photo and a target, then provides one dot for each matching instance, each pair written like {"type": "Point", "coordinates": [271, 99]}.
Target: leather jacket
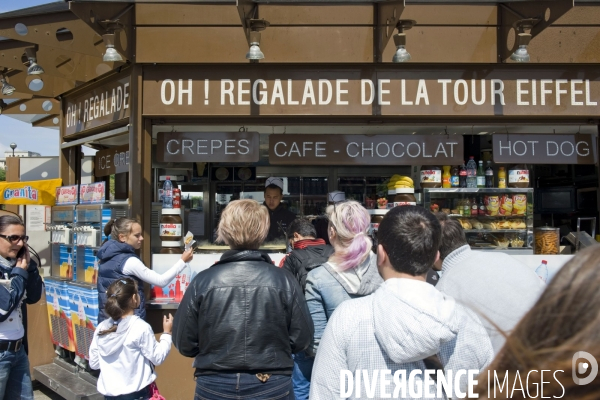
{"type": "Point", "coordinates": [243, 314]}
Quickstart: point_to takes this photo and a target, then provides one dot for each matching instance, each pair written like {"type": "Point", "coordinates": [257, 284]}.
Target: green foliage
{"type": "Point", "coordinates": [111, 187]}
{"type": "Point", "coordinates": [2, 174]}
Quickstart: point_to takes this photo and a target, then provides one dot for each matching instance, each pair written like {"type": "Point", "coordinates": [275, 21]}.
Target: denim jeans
{"type": "Point", "coordinates": [143, 394]}
{"type": "Point", "coordinates": [15, 380]}
{"type": "Point", "coordinates": [243, 387]}
{"type": "Point", "coordinates": [303, 365]}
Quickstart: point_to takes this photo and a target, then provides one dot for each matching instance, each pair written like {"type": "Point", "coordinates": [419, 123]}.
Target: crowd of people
{"type": "Point", "coordinates": [260, 331]}
{"type": "Point", "coordinates": [257, 331]}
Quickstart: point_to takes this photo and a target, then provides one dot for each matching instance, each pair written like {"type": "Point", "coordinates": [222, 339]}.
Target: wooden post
{"type": "Point", "coordinates": [13, 174]}
{"type": "Point", "coordinates": [140, 164]}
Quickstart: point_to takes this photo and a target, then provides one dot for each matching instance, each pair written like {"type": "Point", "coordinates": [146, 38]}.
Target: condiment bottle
{"type": "Point", "coordinates": [481, 210]}
{"type": "Point", "coordinates": [431, 177]}
{"type": "Point", "coordinates": [501, 178]}
{"type": "Point", "coordinates": [171, 247]}
{"type": "Point", "coordinates": [518, 176]}
{"type": "Point", "coordinates": [474, 207]}
{"type": "Point", "coordinates": [446, 176]}
{"type": "Point", "coordinates": [466, 208]}
{"type": "Point", "coordinates": [170, 225]}
{"type": "Point", "coordinates": [405, 197]}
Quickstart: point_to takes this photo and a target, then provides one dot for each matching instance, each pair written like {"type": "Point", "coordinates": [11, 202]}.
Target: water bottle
{"type": "Point", "coordinates": [471, 173]}
{"type": "Point", "coordinates": [542, 271]}
{"type": "Point", "coordinates": [168, 193]}
{"type": "Point", "coordinates": [480, 175]}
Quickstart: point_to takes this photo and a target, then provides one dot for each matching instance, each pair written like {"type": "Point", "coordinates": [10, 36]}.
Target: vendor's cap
{"type": "Point", "coordinates": [272, 180]}
{"type": "Point", "coordinates": [336, 196]}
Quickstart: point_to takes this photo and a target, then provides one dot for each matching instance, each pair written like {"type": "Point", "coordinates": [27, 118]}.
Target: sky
{"type": "Point", "coordinates": [40, 140]}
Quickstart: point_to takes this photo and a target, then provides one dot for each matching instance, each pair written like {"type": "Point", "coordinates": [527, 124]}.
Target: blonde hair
{"type": "Point", "coordinates": [351, 222]}
{"type": "Point", "coordinates": [244, 224]}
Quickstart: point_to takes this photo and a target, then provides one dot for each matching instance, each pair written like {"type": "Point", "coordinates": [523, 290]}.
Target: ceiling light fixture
{"type": "Point", "coordinates": [111, 54]}
{"type": "Point", "coordinates": [401, 55]}
{"type": "Point", "coordinates": [112, 26]}
{"type": "Point", "coordinates": [523, 31]}
{"type": "Point", "coordinates": [255, 25]}
{"type": "Point", "coordinates": [7, 88]}
{"type": "Point", "coordinates": [34, 68]}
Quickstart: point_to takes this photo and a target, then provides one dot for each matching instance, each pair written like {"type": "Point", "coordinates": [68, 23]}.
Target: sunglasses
{"type": "Point", "coordinates": [15, 238]}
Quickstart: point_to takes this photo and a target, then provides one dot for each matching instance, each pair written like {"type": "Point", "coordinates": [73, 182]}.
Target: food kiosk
{"type": "Point", "coordinates": [326, 109]}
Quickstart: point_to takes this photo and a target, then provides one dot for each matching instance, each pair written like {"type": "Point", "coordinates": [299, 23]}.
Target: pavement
{"type": "Point", "coordinates": [41, 392]}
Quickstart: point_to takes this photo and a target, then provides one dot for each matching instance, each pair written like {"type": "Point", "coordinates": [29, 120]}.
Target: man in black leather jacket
{"type": "Point", "coordinates": [243, 317]}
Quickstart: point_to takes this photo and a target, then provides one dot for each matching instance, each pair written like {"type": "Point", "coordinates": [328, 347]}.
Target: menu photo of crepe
{"type": "Point", "coordinates": [188, 240]}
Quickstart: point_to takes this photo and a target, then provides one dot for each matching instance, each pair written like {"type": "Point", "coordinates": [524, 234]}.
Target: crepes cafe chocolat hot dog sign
{"type": "Point", "coordinates": [365, 149]}
{"type": "Point", "coordinates": [544, 149]}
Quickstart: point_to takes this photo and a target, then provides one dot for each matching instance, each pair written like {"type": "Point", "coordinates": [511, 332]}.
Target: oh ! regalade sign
{"type": "Point", "coordinates": [369, 90]}
{"type": "Point", "coordinates": [365, 149]}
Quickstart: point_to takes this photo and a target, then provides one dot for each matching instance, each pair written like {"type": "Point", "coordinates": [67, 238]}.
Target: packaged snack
{"type": "Point", "coordinates": [188, 240]}
{"type": "Point", "coordinates": [492, 205]}
{"type": "Point", "coordinates": [506, 204]}
{"type": "Point", "coordinates": [519, 204]}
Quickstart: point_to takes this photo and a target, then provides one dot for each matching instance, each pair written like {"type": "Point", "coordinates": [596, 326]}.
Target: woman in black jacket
{"type": "Point", "coordinates": [243, 317]}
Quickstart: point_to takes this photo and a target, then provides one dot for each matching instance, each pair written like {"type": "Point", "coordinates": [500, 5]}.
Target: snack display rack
{"type": "Point", "coordinates": [500, 229]}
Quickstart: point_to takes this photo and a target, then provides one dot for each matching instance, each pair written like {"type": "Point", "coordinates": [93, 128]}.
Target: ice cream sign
{"type": "Point", "coordinates": [66, 195]}
{"type": "Point", "coordinates": [92, 193]}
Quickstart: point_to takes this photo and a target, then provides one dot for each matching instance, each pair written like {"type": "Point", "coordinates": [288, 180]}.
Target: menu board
{"type": "Point", "coordinates": [66, 195]}
{"type": "Point", "coordinates": [92, 193]}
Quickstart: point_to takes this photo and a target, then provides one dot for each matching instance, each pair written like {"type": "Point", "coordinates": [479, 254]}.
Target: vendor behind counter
{"type": "Point", "coordinates": [280, 216]}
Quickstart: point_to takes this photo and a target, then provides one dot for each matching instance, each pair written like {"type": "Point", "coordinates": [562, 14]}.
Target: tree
{"type": "Point", "coordinates": [2, 174]}
{"type": "Point", "coordinates": [111, 186]}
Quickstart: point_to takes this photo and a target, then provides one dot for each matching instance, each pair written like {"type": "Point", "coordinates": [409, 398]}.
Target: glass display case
{"type": "Point", "coordinates": [304, 196]}
{"type": "Point", "coordinates": [307, 195]}
{"type": "Point", "coordinates": [365, 190]}
{"type": "Point", "coordinates": [493, 219]}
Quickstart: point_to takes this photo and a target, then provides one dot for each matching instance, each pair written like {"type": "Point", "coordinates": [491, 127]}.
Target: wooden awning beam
{"type": "Point", "coordinates": [545, 12]}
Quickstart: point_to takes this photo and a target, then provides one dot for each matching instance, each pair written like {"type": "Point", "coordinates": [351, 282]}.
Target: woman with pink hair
{"type": "Point", "coordinates": [350, 272]}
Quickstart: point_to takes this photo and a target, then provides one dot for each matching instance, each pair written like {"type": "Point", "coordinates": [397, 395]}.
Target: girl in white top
{"type": "Point", "coordinates": [124, 348]}
{"type": "Point", "coordinates": [118, 260]}
{"type": "Point", "coordinates": [127, 230]}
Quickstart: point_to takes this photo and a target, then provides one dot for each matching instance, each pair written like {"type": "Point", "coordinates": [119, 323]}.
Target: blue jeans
{"type": "Point", "coordinates": [303, 366]}
{"type": "Point", "coordinates": [143, 394]}
{"type": "Point", "coordinates": [15, 380]}
{"type": "Point", "coordinates": [243, 387]}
